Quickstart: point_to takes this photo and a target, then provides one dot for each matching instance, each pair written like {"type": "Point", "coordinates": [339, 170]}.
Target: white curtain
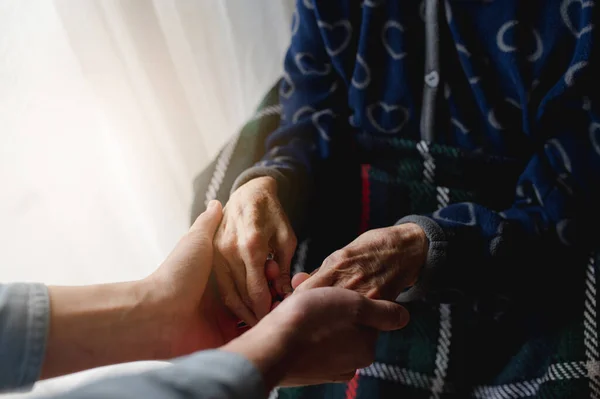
{"type": "Point", "coordinates": [108, 108]}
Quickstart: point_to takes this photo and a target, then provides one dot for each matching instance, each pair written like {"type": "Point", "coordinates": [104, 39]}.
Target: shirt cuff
{"type": "Point", "coordinates": [24, 324]}
{"type": "Point", "coordinates": [436, 255]}
{"type": "Point", "coordinates": [225, 374]}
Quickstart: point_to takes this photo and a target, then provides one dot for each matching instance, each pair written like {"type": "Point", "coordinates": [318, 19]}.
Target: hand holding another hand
{"type": "Point", "coordinates": [380, 263]}
{"type": "Point", "coordinates": [254, 224]}
{"type": "Point", "coordinates": [318, 336]}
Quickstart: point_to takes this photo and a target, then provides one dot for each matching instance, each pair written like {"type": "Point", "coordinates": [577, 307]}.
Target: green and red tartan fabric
{"type": "Point", "coordinates": [540, 342]}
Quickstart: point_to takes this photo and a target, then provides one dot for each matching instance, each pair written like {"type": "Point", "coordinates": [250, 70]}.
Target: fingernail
{"type": "Point", "coordinates": [212, 204]}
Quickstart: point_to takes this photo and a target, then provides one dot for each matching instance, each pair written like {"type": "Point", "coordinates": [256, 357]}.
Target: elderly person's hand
{"type": "Point", "coordinates": [254, 224]}
{"type": "Point", "coordinates": [318, 336]}
{"type": "Point", "coordinates": [380, 263]}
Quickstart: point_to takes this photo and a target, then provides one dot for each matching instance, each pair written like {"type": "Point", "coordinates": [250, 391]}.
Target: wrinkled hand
{"type": "Point", "coordinates": [380, 263]}
{"type": "Point", "coordinates": [253, 225]}
{"type": "Point", "coordinates": [188, 306]}
{"type": "Point", "coordinates": [318, 336]}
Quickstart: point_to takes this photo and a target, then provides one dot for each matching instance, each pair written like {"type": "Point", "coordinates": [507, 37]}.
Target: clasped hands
{"type": "Point", "coordinates": [216, 275]}
{"type": "Point", "coordinates": [368, 273]}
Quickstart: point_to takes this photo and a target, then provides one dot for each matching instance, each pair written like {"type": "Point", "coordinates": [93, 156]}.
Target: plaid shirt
{"type": "Point", "coordinates": [505, 181]}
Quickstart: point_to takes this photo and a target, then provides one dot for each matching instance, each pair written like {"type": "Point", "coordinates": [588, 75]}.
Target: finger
{"type": "Point", "coordinates": [316, 280]}
{"type": "Point", "coordinates": [254, 250]}
{"type": "Point", "coordinates": [299, 279]}
{"type": "Point", "coordinates": [207, 222]}
{"type": "Point", "coordinates": [285, 246]}
{"type": "Point", "coordinates": [231, 297]}
{"type": "Point", "coordinates": [258, 291]}
{"type": "Point", "coordinates": [273, 292]}
{"type": "Point", "coordinates": [229, 262]}
{"type": "Point", "coordinates": [382, 315]}
{"type": "Point", "coordinates": [193, 254]}
{"type": "Point", "coordinates": [271, 270]}
{"type": "Point", "coordinates": [302, 277]}
{"type": "Point", "coordinates": [283, 284]}
{"type": "Point", "coordinates": [237, 271]}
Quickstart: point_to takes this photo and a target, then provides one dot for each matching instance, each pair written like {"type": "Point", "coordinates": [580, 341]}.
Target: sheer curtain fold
{"type": "Point", "coordinates": [108, 109]}
{"type": "Point", "coordinates": [111, 108]}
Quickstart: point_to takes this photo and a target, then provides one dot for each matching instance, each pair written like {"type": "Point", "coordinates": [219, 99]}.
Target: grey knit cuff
{"type": "Point", "coordinates": [436, 255]}
{"type": "Point", "coordinates": [283, 183]}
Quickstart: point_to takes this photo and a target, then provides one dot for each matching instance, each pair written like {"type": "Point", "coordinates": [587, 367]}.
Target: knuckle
{"type": "Point", "coordinates": [247, 301]}
{"type": "Point", "coordinates": [229, 301]}
{"type": "Point", "coordinates": [226, 245]}
{"type": "Point", "coordinates": [343, 253]}
{"type": "Point", "coordinates": [332, 260]}
{"type": "Point", "coordinates": [338, 258]}
{"type": "Point", "coordinates": [256, 290]}
{"type": "Point", "coordinates": [253, 241]}
{"type": "Point", "coordinates": [373, 292]}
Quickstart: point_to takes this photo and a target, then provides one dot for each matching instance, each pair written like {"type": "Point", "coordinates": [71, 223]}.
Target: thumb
{"type": "Point", "coordinates": [299, 278]}
{"type": "Point", "coordinates": [207, 223]}
{"type": "Point", "coordinates": [383, 315]}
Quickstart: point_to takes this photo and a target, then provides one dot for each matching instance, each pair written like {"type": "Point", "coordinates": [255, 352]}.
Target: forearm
{"type": "Point", "coordinates": [267, 355]}
{"type": "Point", "coordinates": [97, 325]}
{"type": "Point", "coordinates": [208, 374]}
{"type": "Point", "coordinates": [247, 367]}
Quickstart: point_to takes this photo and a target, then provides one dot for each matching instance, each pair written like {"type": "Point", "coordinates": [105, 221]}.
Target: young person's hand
{"type": "Point", "coordinates": [318, 336]}
{"type": "Point", "coordinates": [174, 311]}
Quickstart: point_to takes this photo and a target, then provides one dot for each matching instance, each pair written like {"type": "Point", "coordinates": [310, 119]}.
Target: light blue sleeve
{"type": "Point", "coordinates": [24, 319]}
{"type": "Point", "coordinates": [210, 374]}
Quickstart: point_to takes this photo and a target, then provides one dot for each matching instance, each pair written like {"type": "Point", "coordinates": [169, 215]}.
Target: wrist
{"type": "Point", "coordinates": [152, 313]}
{"type": "Point", "coordinates": [414, 245]}
{"type": "Point", "coordinates": [266, 346]}
{"type": "Point", "coordinates": [268, 183]}
{"type": "Point", "coordinates": [139, 320]}
{"type": "Point", "coordinates": [161, 315]}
